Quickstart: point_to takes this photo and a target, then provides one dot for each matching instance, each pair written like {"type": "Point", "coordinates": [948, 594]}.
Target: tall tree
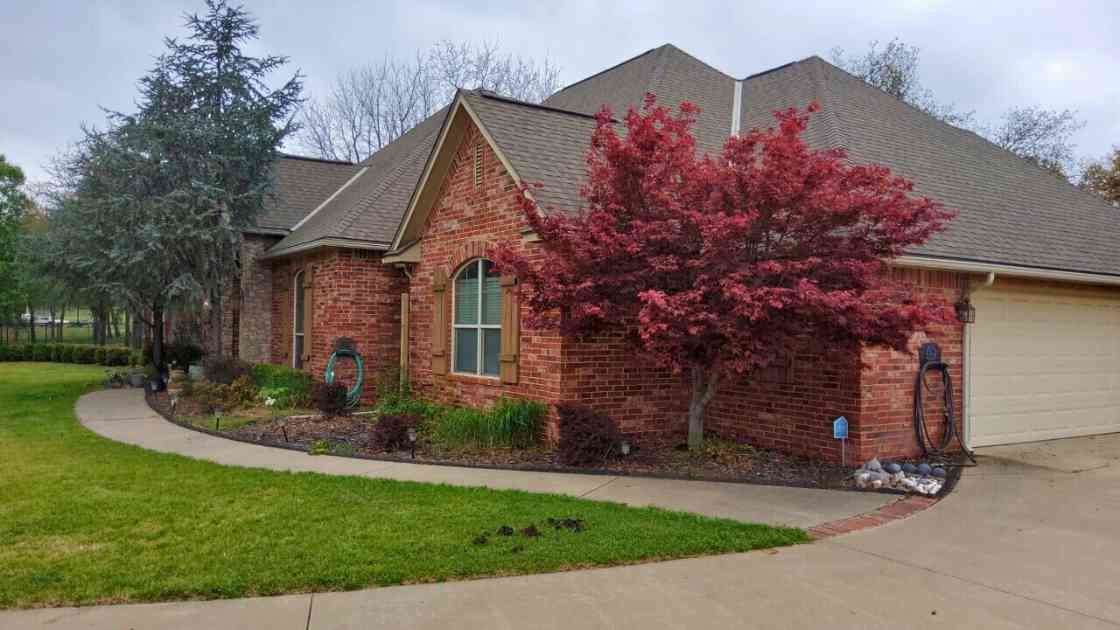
{"type": "Point", "coordinates": [1040, 135]}
{"type": "Point", "coordinates": [207, 110]}
{"type": "Point", "coordinates": [154, 206]}
{"type": "Point", "coordinates": [1103, 177]}
{"type": "Point", "coordinates": [13, 210]}
{"type": "Point", "coordinates": [722, 266]}
{"type": "Point", "coordinates": [370, 106]}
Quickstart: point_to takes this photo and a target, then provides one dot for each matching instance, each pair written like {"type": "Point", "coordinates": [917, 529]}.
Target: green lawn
{"type": "Point", "coordinates": [84, 520]}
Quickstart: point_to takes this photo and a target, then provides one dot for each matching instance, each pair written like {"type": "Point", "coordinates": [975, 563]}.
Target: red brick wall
{"type": "Point", "coordinates": [355, 296]}
{"type": "Point", "coordinates": [885, 423]}
{"type": "Point", "coordinates": [464, 224]}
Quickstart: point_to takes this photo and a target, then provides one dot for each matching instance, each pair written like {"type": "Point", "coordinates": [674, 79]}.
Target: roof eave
{"type": "Point", "coordinates": [918, 261]}
{"type": "Point", "coordinates": [326, 242]}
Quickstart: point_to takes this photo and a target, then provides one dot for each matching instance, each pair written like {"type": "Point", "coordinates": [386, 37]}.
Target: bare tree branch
{"type": "Point", "coordinates": [369, 107]}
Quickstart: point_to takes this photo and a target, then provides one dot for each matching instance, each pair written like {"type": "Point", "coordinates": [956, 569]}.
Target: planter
{"type": "Point", "coordinates": [136, 380]}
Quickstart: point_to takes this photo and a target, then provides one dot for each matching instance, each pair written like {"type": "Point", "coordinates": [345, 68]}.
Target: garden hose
{"type": "Point", "coordinates": [920, 429]}
{"type": "Point", "coordinates": [354, 394]}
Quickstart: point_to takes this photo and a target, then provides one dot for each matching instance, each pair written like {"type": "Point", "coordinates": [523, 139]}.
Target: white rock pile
{"type": "Point", "coordinates": [920, 479]}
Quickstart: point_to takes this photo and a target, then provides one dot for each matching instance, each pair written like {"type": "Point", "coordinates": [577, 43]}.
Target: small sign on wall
{"type": "Point", "coordinates": [840, 432]}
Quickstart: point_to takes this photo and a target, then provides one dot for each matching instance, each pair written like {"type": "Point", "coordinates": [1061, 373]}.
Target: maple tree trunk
{"type": "Point", "coordinates": [703, 390]}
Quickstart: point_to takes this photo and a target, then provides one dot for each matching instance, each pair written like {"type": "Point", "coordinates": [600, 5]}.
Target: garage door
{"type": "Point", "coordinates": [1043, 364]}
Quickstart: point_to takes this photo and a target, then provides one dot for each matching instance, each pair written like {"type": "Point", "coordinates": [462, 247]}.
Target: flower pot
{"type": "Point", "coordinates": [136, 380]}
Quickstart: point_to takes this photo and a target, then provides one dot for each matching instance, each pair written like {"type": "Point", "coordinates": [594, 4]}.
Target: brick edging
{"type": "Point", "coordinates": [890, 512]}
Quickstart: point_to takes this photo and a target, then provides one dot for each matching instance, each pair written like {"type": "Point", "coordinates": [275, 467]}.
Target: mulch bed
{"type": "Point", "coordinates": [719, 461]}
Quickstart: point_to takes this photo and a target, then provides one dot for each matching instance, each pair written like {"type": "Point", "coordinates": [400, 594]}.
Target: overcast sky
{"type": "Point", "coordinates": [61, 60]}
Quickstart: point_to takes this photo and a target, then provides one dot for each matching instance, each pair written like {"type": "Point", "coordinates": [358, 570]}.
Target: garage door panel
{"type": "Point", "coordinates": [1043, 364]}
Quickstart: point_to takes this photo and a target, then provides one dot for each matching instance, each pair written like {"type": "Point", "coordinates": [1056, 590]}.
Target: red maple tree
{"type": "Point", "coordinates": [717, 267]}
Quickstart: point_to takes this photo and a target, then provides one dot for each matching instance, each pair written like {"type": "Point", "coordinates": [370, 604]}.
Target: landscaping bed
{"type": "Point", "coordinates": [351, 435]}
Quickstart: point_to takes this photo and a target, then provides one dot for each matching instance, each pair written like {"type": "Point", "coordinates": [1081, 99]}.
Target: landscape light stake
{"type": "Point", "coordinates": [412, 441]}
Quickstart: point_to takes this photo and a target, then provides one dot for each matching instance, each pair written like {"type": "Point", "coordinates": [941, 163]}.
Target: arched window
{"type": "Point", "coordinates": [478, 319]}
{"type": "Point", "coordinates": [298, 322]}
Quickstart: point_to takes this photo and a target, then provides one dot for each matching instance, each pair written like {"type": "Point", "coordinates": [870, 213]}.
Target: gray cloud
{"type": "Point", "coordinates": [63, 59]}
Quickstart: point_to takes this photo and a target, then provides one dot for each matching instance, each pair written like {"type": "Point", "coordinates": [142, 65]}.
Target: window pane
{"type": "Point", "coordinates": [491, 295]}
{"type": "Point", "coordinates": [297, 360]}
{"type": "Point", "coordinates": [466, 350]}
{"type": "Point", "coordinates": [466, 295]}
{"type": "Point", "coordinates": [491, 346]}
{"type": "Point", "coordinates": [299, 302]}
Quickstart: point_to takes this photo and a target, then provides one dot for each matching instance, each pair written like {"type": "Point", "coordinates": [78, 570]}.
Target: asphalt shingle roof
{"type": "Point", "coordinates": [370, 209]}
{"type": "Point", "coordinates": [301, 185]}
{"type": "Point", "coordinates": [1011, 211]}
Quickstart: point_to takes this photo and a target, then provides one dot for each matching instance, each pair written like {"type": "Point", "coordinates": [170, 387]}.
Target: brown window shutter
{"type": "Point", "coordinates": [308, 313]}
{"type": "Point", "coordinates": [511, 330]}
{"type": "Point", "coordinates": [439, 322]}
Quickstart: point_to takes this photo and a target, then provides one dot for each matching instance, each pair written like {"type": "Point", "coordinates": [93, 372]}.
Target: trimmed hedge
{"type": "Point", "coordinates": [69, 353]}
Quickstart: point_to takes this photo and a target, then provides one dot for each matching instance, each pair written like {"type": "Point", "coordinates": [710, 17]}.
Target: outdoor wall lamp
{"type": "Point", "coordinates": [966, 312]}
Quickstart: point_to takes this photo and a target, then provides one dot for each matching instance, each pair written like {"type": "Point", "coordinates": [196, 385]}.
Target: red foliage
{"type": "Point", "coordinates": [727, 264]}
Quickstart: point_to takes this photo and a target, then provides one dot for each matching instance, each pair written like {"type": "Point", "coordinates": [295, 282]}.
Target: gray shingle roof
{"type": "Point", "coordinates": [301, 185]}
{"type": "Point", "coordinates": [370, 209]}
{"type": "Point", "coordinates": [671, 74]}
{"type": "Point", "coordinates": [1011, 211]}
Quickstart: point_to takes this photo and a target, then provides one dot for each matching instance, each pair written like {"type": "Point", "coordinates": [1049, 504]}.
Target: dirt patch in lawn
{"type": "Point", "coordinates": [350, 436]}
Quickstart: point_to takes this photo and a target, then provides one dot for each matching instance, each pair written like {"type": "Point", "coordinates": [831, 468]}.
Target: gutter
{"type": "Point", "coordinates": [976, 266]}
{"type": "Point", "coordinates": [319, 243]}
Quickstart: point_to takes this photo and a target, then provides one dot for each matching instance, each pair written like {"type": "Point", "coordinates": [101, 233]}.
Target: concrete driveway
{"type": "Point", "coordinates": [1028, 540]}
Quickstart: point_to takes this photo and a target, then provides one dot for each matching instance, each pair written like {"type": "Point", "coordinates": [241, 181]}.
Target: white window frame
{"type": "Point", "coordinates": [297, 284]}
{"type": "Point", "coordinates": [480, 327]}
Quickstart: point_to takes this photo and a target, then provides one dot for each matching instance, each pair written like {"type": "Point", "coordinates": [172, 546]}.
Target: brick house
{"type": "Point", "coordinates": [392, 253]}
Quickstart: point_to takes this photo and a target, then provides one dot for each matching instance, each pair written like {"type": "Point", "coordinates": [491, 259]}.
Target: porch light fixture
{"type": "Point", "coordinates": [412, 440]}
{"type": "Point", "coordinates": [966, 312]}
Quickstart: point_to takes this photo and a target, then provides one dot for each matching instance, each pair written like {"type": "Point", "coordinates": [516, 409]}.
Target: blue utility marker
{"type": "Point", "coordinates": [840, 428]}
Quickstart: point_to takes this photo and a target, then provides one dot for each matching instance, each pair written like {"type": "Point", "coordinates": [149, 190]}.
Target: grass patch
{"type": "Point", "coordinates": [85, 520]}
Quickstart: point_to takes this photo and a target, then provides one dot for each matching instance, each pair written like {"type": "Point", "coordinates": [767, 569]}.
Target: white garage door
{"type": "Point", "coordinates": [1043, 364]}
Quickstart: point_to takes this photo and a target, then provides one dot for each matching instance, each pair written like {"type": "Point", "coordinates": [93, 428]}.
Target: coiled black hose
{"type": "Point", "coordinates": [920, 429]}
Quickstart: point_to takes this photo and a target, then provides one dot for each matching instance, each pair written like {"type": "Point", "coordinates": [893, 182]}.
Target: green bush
{"type": "Point", "coordinates": [281, 396]}
{"type": "Point", "coordinates": [274, 377]}
{"type": "Point", "coordinates": [66, 354]}
{"type": "Point", "coordinates": [403, 406]}
{"type": "Point", "coordinates": [511, 423]}
{"type": "Point", "coordinates": [85, 355]}
{"type": "Point", "coordinates": [56, 352]}
{"type": "Point", "coordinates": [41, 352]}
{"type": "Point", "coordinates": [136, 358]}
{"type": "Point", "coordinates": [118, 356]}
{"type": "Point", "coordinates": [28, 352]}
{"type": "Point", "coordinates": [5, 352]}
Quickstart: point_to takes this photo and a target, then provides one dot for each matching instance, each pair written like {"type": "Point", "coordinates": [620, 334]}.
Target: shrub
{"type": "Point", "coordinates": [586, 436]}
{"type": "Point", "coordinates": [99, 355]}
{"type": "Point", "coordinates": [225, 370]}
{"type": "Point", "coordinates": [4, 352]}
{"type": "Point", "coordinates": [297, 382]}
{"type": "Point", "coordinates": [84, 354]}
{"type": "Point", "coordinates": [181, 355]}
{"type": "Point", "coordinates": [28, 352]}
{"type": "Point", "coordinates": [41, 352]}
{"type": "Point", "coordinates": [281, 396]}
{"type": "Point", "coordinates": [417, 407]}
{"type": "Point", "coordinates": [511, 423]}
{"type": "Point", "coordinates": [390, 433]}
{"type": "Point", "coordinates": [330, 398]}
{"type": "Point", "coordinates": [56, 352]}
{"type": "Point", "coordinates": [117, 356]}
{"type": "Point", "coordinates": [213, 396]}
{"type": "Point", "coordinates": [66, 354]}
{"type": "Point", "coordinates": [136, 358]}
{"type": "Point", "coordinates": [243, 391]}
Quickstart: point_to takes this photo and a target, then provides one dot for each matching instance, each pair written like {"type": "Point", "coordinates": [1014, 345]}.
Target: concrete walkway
{"type": "Point", "coordinates": [1028, 540]}
{"type": "Point", "coordinates": [124, 416]}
